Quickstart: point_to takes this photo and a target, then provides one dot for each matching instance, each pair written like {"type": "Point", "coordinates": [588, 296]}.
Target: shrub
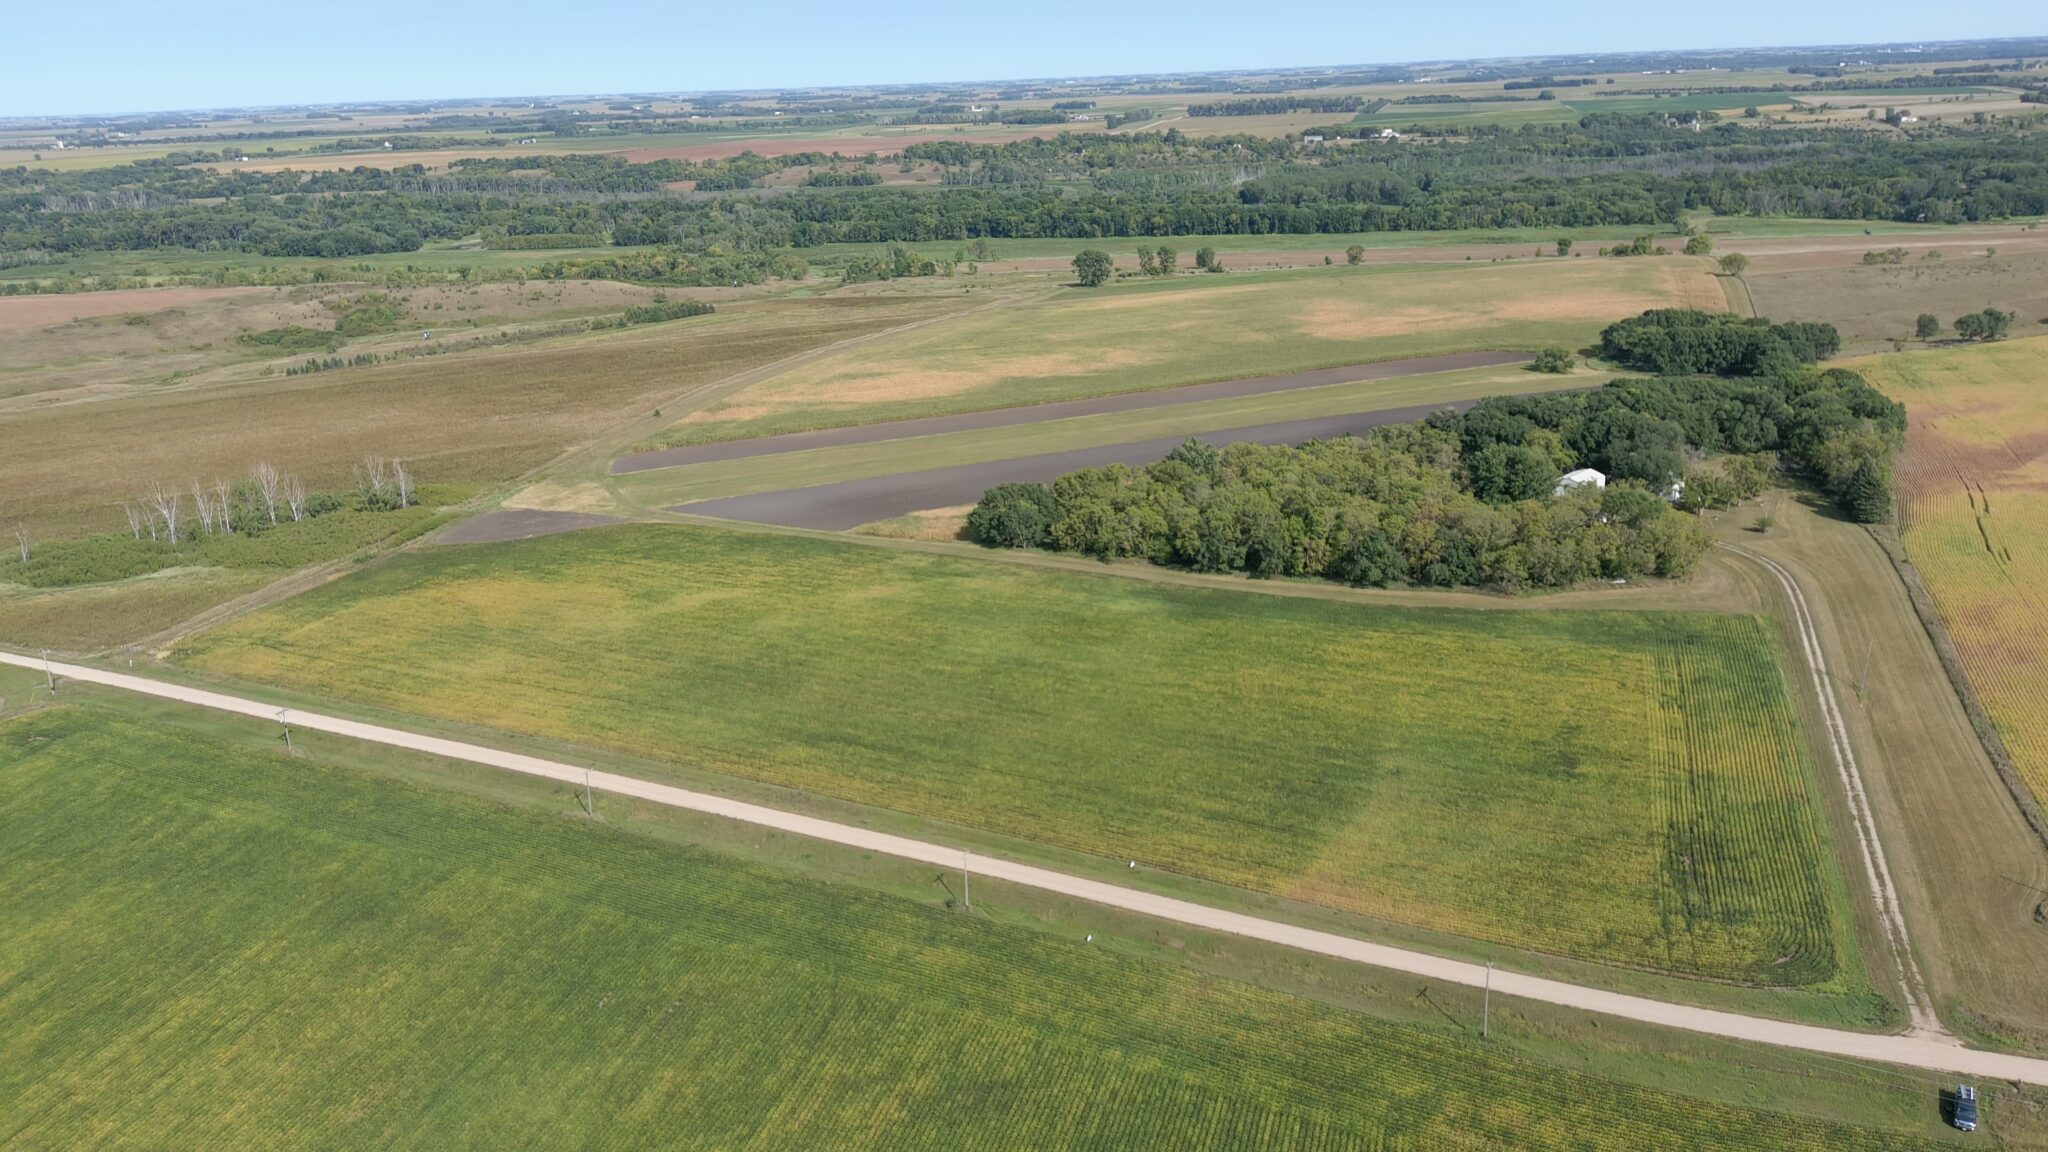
{"type": "Point", "coordinates": [1555, 359]}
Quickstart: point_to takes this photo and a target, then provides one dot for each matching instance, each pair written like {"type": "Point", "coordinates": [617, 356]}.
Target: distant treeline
{"type": "Point", "coordinates": [1603, 170]}
{"type": "Point", "coordinates": [1279, 105]}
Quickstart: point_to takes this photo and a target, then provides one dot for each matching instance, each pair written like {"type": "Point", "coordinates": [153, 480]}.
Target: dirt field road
{"type": "Point", "coordinates": [1913, 1051]}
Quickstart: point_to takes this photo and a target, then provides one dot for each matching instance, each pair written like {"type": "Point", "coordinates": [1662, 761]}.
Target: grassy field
{"type": "Point", "coordinates": [1137, 335]}
{"type": "Point", "coordinates": [774, 473]}
{"type": "Point", "coordinates": [473, 418]}
{"type": "Point", "coordinates": [291, 953]}
{"type": "Point", "coordinates": [1637, 795]}
{"type": "Point", "coordinates": [103, 615]}
{"type": "Point", "coordinates": [1973, 514]}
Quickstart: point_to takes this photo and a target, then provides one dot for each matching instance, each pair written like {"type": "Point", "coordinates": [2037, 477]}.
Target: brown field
{"type": "Point", "coordinates": [18, 313]}
{"type": "Point", "coordinates": [188, 340]}
{"type": "Point", "coordinates": [480, 418]}
{"type": "Point", "coordinates": [1876, 303]}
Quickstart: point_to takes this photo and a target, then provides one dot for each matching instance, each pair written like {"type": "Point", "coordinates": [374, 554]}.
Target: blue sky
{"type": "Point", "coordinates": [126, 55]}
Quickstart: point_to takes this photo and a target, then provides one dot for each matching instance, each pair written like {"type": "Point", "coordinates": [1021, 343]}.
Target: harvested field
{"type": "Point", "coordinates": [1636, 794]}
{"type": "Point", "coordinates": [1973, 514]}
{"type": "Point", "coordinates": [1135, 336]}
{"type": "Point", "coordinates": [296, 954]}
{"type": "Point", "coordinates": [1873, 304]}
{"type": "Point", "coordinates": [478, 418]}
{"type": "Point", "coordinates": [21, 312]}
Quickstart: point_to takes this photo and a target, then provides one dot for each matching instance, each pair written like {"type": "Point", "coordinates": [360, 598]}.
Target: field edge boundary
{"type": "Point", "coordinates": [1959, 679]}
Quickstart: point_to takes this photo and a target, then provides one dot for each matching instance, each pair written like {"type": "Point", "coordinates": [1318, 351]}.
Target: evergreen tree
{"type": "Point", "coordinates": [1868, 494]}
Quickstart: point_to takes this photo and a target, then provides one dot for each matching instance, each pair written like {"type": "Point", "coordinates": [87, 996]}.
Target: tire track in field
{"type": "Point", "coordinates": [1919, 1006]}
{"type": "Point", "coordinates": [1914, 1049]}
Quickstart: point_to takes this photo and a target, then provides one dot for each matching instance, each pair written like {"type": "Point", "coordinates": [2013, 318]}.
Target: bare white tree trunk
{"type": "Point", "coordinates": [224, 504]}
{"type": "Point", "coordinates": [205, 507]}
{"type": "Point", "coordinates": [266, 486]}
{"type": "Point", "coordinates": [21, 537]}
{"type": "Point", "coordinates": [134, 520]}
{"type": "Point", "coordinates": [295, 495]}
{"type": "Point", "coordinates": [372, 479]}
{"type": "Point", "coordinates": [403, 479]}
{"type": "Point", "coordinates": [165, 501]}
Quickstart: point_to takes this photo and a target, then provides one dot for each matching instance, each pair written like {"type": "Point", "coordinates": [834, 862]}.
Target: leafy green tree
{"type": "Point", "coordinates": [1355, 254]}
{"type": "Point", "coordinates": [1927, 327]}
{"type": "Point", "coordinates": [1093, 268]}
{"type": "Point", "coordinates": [1990, 324]}
{"type": "Point", "coordinates": [1506, 473]}
{"type": "Point", "coordinates": [1564, 246]}
{"type": "Point", "coordinates": [1734, 264]}
{"type": "Point", "coordinates": [1555, 359]}
{"type": "Point", "coordinates": [1013, 516]}
{"type": "Point", "coordinates": [1699, 245]}
{"type": "Point", "coordinates": [1205, 258]}
{"type": "Point", "coordinates": [1148, 263]}
{"type": "Point", "coordinates": [1868, 495]}
{"type": "Point", "coordinates": [1168, 261]}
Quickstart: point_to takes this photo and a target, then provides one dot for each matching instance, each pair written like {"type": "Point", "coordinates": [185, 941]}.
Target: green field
{"type": "Point", "coordinates": [1136, 335]}
{"type": "Point", "coordinates": [801, 469]}
{"type": "Point", "coordinates": [284, 953]}
{"type": "Point", "coordinates": [1636, 793]}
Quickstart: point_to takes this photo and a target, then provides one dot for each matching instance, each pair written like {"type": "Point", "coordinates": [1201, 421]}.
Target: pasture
{"type": "Point", "coordinates": [1636, 793]}
{"type": "Point", "coordinates": [1137, 335]}
{"type": "Point", "coordinates": [1973, 515]}
{"type": "Point", "coordinates": [291, 953]}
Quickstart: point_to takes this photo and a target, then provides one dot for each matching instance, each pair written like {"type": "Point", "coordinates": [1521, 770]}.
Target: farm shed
{"type": "Point", "coordinates": [1579, 478]}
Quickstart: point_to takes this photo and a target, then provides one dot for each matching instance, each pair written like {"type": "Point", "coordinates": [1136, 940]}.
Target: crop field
{"type": "Point", "coordinates": [1135, 335]}
{"type": "Point", "coordinates": [290, 954]}
{"type": "Point", "coordinates": [1973, 513]}
{"type": "Point", "coordinates": [1636, 794]}
{"type": "Point", "coordinates": [470, 418]}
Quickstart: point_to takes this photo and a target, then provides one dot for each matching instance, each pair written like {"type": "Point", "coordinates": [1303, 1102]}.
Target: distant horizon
{"type": "Point", "coordinates": [244, 56]}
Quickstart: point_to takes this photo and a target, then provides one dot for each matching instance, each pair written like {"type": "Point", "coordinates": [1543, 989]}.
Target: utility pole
{"type": "Point", "coordinates": [284, 717]}
{"type": "Point", "coordinates": [589, 809]}
{"type": "Point", "coordinates": [49, 677]}
{"type": "Point", "coordinates": [1486, 1005]}
{"type": "Point", "coordinates": [966, 897]}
